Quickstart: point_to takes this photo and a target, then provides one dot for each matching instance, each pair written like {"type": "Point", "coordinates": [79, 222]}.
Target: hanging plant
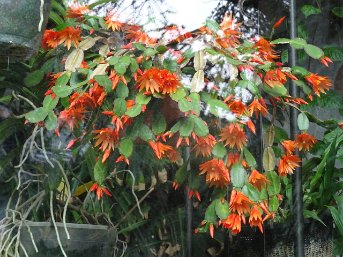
{"type": "Point", "coordinates": [203, 90]}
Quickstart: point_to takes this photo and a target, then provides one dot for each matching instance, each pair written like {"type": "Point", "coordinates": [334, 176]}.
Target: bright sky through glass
{"type": "Point", "coordinates": [191, 13]}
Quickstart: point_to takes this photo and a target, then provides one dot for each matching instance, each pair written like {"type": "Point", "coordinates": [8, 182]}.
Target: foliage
{"type": "Point", "coordinates": [131, 106]}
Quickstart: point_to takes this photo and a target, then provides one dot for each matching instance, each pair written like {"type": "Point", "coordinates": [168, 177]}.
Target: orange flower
{"type": "Point", "coordinates": [106, 138]}
{"type": "Point", "coordinates": [279, 22]}
{"type": "Point", "coordinates": [112, 22]}
{"type": "Point", "coordinates": [305, 141]}
{"type": "Point", "coordinates": [204, 146]}
{"type": "Point", "coordinates": [319, 83]}
{"type": "Point", "coordinates": [233, 135]}
{"type": "Point", "coordinates": [170, 82]}
{"type": "Point", "coordinates": [233, 158]}
{"type": "Point", "coordinates": [258, 180]}
{"type": "Point", "coordinates": [233, 222]}
{"type": "Point", "coordinates": [325, 60]}
{"type": "Point", "coordinates": [255, 219]}
{"type": "Point", "coordinates": [72, 116]}
{"type": "Point", "coordinates": [229, 32]}
{"type": "Point", "coordinates": [116, 78]}
{"type": "Point", "coordinates": [216, 173]}
{"type": "Point", "coordinates": [289, 146]}
{"type": "Point", "coordinates": [237, 107]}
{"type": "Point", "coordinates": [50, 39]}
{"type": "Point", "coordinates": [76, 11]}
{"type": "Point", "coordinates": [100, 190]}
{"type": "Point", "coordinates": [287, 164]}
{"type": "Point", "coordinates": [70, 35]}
{"type": "Point", "coordinates": [265, 49]}
{"type": "Point", "coordinates": [97, 93]}
{"type": "Point", "coordinates": [257, 108]}
{"type": "Point", "coordinates": [161, 150]}
{"type": "Point", "coordinates": [150, 80]}
{"type": "Point", "coordinates": [135, 34]}
{"type": "Point", "coordinates": [81, 101]}
{"type": "Point", "coordinates": [275, 78]}
{"type": "Point", "coordinates": [239, 202]}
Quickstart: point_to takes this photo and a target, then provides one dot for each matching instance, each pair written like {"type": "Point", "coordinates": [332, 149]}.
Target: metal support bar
{"type": "Point", "coordinates": [189, 211]}
{"type": "Point", "coordinates": [299, 250]}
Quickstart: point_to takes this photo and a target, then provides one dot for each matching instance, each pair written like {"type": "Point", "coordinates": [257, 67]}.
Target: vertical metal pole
{"type": "Point", "coordinates": [189, 211]}
{"type": "Point", "coordinates": [297, 185]}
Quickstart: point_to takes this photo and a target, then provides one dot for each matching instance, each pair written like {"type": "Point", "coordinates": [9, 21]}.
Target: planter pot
{"type": "Point", "coordinates": [85, 240]}
{"type": "Point", "coordinates": [20, 22]}
{"type": "Point", "coordinates": [278, 241]}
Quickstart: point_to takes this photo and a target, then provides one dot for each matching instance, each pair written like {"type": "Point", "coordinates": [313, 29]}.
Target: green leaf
{"type": "Point", "coordinates": [216, 105]}
{"type": "Point", "coordinates": [141, 98]}
{"type": "Point", "coordinates": [134, 111]}
{"type": "Point", "coordinates": [51, 121]}
{"type": "Point", "coordinates": [185, 105]}
{"type": "Point", "coordinates": [159, 124]}
{"type": "Point", "coordinates": [62, 91]}
{"type": "Point", "coordinates": [139, 46]}
{"type": "Point", "coordinates": [338, 11]}
{"type": "Point", "coordinates": [308, 10]}
{"type": "Point", "coordinates": [49, 103]}
{"type": "Point", "coordinates": [275, 184]}
{"type": "Point", "coordinates": [99, 172]}
{"type": "Point", "coordinates": [200, 126]}
{"type": "Point", "coordinates": [280, 41]}
{"type": "Point", "coordinates": [119, 106]}
{"type": "Point", "coordinates": [249, 158]}
{"type": "Point", "coordinates": [275, 91]}
{"type": "Point", "coordinates": [313, 215]}
{"type": "Point", "coordinates": [210, 214]}
{"type": "Point", "coordinates": [37, 115]}
{"type": "Point", "coordinates": [298, 43]}
{"type": "Point", "coordinates": [125, 60]}
{"type": "Point", "coordinates": [170, 64]}
{"type": "Point", "coordinates": [126, 147]}
{"type": "Point", "coordinates": [161, 49]}
{"type": "Point", "coordinates": [145, 133]}
{"type": "Point", "coordinates": [303, 122]}
{"type": "Point", "coordinates": [284, 56]}
{"type": "Point", "coordinates": [34, 78]}
{"type": "Point", "coordinates": [338, 218]}
{"type": "Point", "coordinates": [60, 88]}
{"type": "Point", "coordinates": [120, 68]}
{"type": "Point", "coordinates": [179, 94]}
{"type": "Point", "coordinates": [238, 175]}
{"type": "Point", "coordinates": [114, 60]}
{"type": "Point", "coordinates": [104, 81]}
{"type": "Point", "coordinates": [273, 204]}
{"type": "Point", "coordinates": [248, 85]}
{"type": "Point", "coordinates": [300, 71]}
{"type": "Point", "coordinates": [251, 192]}
{"type": "Point", "coordinates": [212, 25]}
{"type": "Point", "coordinates": [181, 174]}
{"type": "Point", "coordinates": [134, 65]}
{"type": "Point", "coordinates": [219, 150]}
{"type": "Point", "coordinates": [222, 209]}
{"type": "Point", "coordinates": [186, 128]}
{"type": "Point", "coordinates": [122, 90]}
{"type": "Point", "coordinates": [149, 52]}
{"type": "Point", "coordinates": [314, 51]}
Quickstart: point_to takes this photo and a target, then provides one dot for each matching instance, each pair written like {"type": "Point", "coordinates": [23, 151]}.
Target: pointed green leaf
{"type": "Point", "coordinates": [222, 209]}
{"type": "Point", "coordinates": [238, 175]}
{"type": "Point", "coordinates": [126, 147]}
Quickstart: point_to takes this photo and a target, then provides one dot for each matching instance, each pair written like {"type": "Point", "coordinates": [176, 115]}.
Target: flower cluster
{"type": "Point", "coordinates": [118, 97]}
